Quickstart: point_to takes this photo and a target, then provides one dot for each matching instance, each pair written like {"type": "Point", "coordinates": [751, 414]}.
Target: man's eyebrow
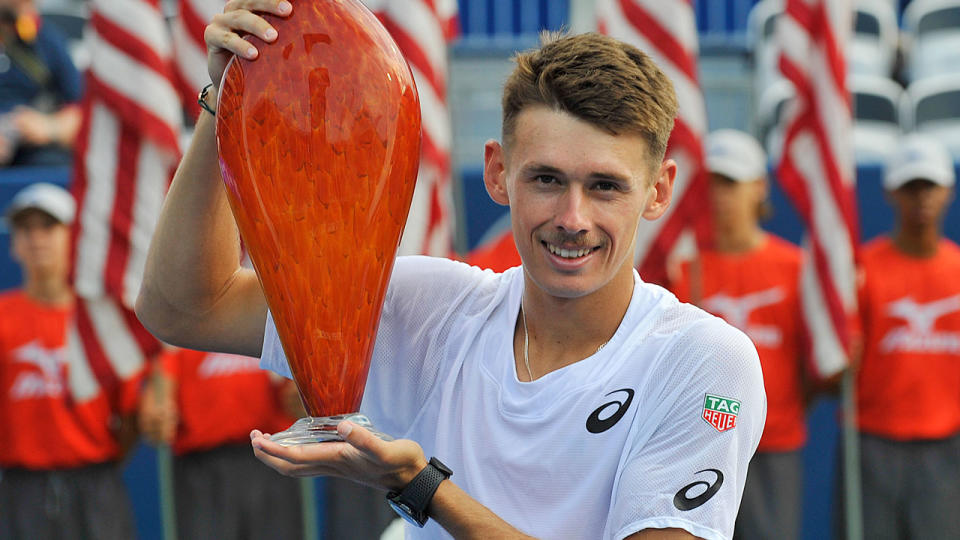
{"type": "Point", "coordinates": [543, 168]}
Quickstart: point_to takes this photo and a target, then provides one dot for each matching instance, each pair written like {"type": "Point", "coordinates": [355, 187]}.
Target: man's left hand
{"type": "Point", "coordinates": [362, 457]}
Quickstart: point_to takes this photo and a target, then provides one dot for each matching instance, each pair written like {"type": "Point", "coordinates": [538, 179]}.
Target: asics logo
{"type": "Point", "coordinates": [597, 425]}
{"type": "Point", "coordinates": [736, 310]}
{"type": "Point", "coordinates": [918, 335]}
{"type": "Point", "coordinates": [684, 502]}
{"type": "Point", "coordinates": [46, 380]}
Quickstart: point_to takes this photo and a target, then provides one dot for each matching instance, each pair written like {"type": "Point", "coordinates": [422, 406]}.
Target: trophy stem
{"type": "Point", "coordinates": [315, 429]}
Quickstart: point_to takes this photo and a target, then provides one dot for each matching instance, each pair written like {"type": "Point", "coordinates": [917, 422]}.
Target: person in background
{"type": "Point", "coordinates": [751, 279]}
{"type": "Point", "coordinates": [908, 380]}
{"type": "Point", "coordinates": [204, 405]}
{"type": "Point", "coordinates": [39, 89]}
{"type": "Point", "coordinates": [62, 438]}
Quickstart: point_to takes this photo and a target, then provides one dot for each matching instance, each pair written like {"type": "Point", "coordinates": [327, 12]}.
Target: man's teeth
{"type": "Point", "coordinates": [568, 253]}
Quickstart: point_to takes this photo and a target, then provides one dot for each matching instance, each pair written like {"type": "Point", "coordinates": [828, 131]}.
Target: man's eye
{"type": "Point", "coordinates": [545, 179]}
{"type": "Point", "coordinates": [606, 186]}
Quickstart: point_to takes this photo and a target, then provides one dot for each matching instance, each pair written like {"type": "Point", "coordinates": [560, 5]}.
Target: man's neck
{"type": "Point", "coordinates": [737, 239]}
{"type": "Point", "coordinates": [919, 242]}
{"type": "Point", "coordinates": [53, 290]}
{"type": "Point", "coordinates": [562, 331]}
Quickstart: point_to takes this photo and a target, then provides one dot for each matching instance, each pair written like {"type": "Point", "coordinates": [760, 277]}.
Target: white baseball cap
{"type": "Point", "coordinates": [919, 157]}
{"type": "Point", "coordinates": [48, 198]}
{"type": "Point", "coordinates": [736, 155]}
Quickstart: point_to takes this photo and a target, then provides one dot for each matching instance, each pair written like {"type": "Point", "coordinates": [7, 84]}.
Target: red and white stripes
{"type": "Point", "coordinates": [126, 154]}
{"type": "Point", "coordinates": [665, 30]}
{"type": "Point", "coordinates": [190, 51]}
{"type": "Point", "coordinates": [422, 29]}
{"type": "Point", "coordinates": [817, 170]}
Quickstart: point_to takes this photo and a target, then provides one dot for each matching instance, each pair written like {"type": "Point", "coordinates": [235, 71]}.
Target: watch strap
{"type": "Point", "coordinates": [417, 494]}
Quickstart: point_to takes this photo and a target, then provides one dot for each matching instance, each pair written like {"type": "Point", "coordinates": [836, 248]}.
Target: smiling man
{"type": "Point", "coordinates": [567, 397]}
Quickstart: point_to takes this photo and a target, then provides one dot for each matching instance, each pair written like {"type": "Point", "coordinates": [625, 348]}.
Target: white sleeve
{"type": "Point", "coordinates": [271, 356]}
{"type": "Point", "coordinates": [690, 472]}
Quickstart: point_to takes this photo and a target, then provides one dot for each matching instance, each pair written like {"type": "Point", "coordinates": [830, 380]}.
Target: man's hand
{"type": "Point", "coordinates": [363, 458]}
{"type": "Point", "coordinates": [158, 415]}
{"type": "Point", "coordinates": [224, 35]}
{"type": "Point", "coordinates": [33, 126]}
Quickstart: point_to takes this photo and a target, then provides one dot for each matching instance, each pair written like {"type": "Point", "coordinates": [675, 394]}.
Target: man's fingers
{"type": "Point", "coordinates": [276, 7]}
{"type": "Point", "coordinates": [360, 438]}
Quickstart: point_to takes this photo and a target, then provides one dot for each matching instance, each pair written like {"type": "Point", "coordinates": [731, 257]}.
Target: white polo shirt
{"type": "Point", "coordinates": [655, 430]}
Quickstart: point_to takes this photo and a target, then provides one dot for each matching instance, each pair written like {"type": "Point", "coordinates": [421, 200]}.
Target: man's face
{"type": "Point", "coordinates": [40, 243]}
{"type": "Point", "coordinates": [921, 203]}
{"type": "Point", "coordinates": [734, 202]}
{"type": "Point", "coordinates": [576, 195]}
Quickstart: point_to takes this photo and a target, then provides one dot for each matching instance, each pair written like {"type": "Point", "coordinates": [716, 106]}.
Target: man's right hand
{"type": "Point", "coordinates": [158, 414]}
{"type": "Point", "coordinates": [225, 33]}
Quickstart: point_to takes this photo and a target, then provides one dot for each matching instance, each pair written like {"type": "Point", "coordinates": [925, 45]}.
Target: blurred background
{"type": "Point", "coordinates": [903, 65]}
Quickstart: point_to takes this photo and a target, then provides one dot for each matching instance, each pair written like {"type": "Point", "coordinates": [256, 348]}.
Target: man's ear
{"type": "Point", "coordinates": [494, 172]}
{"type": "Point", "coordinates": [663, 190]}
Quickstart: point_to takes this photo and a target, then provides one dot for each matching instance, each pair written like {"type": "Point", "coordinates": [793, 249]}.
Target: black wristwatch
{"type": "Point", "coordinates": [412, 501]}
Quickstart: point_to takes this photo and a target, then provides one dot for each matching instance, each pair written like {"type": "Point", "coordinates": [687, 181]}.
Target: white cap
{"type": "Point", "coordinates": [736, 155]}
{"type": "Point", "coordinates": [919, 157]}
{"type": "Point", "coordinates": [53, 200]}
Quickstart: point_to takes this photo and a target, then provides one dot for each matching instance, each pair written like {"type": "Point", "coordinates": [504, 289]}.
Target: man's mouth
{"type": "Point", "coordinates": [569, 253]}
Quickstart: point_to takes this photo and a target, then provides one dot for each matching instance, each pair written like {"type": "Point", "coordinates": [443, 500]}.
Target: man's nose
{"type": "Point", "coordinates": [572, 211]}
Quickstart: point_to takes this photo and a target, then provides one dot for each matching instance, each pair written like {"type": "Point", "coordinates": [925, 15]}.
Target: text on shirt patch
{"type": "Point", "coordinates": [720, 412]}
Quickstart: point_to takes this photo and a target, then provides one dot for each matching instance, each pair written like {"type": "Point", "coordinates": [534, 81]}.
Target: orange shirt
{"type": "Point", "coordinates": [909, 380]}
{"type": "Point", "coordinates": [43, 427]}
{"type": "Point", "coordinates": [758, 292]}
{"type": "Point", "coordinates": [221, 397]}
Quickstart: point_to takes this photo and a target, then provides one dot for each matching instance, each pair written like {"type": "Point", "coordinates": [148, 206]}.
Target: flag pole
{"type": "Point", "coordinates": [308, 504]}
{"type": "Point", "coordinates": [851, 458]}
{"type": "Point", "coordinates": [168, 512]}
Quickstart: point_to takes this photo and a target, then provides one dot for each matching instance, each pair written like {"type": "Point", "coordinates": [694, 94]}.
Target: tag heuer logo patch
{"type": "Point", "coordinates": [720, 412]}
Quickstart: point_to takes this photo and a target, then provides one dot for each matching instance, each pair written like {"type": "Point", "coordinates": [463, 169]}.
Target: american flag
{"type": "Point", "coordinates": [817, 171]}
{"type": "Point", "coordinates": [422, 29]}
{"type": "Point", "coordinates": [189, 49]}
{"type": "Point", "coordinates": [666, 30]}
{"type": "Point", "coordinates": [125, 158]}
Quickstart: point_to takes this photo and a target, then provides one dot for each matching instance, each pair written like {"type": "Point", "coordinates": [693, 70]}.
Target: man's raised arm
{"type": "Point", "coordinates": [195, 294]}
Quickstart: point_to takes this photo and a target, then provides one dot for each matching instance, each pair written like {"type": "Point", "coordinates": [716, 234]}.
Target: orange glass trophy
{"type": "Point", "coordinates": [319, 142]}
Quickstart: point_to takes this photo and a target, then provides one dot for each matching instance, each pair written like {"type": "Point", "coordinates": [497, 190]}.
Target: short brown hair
{"type": "Point", "coordinates": [598, 79]}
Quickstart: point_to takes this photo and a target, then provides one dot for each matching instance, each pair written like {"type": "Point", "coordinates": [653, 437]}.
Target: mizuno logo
{"type": "Point", "coordinates": [736, 311]}
{"type": "Point", "coordinates": [220, 365]}
{"type": "Point", "coordinates": [919, 335]}
{"type": "Point", "coordinates": [46, 383]}
{"type": "Point", "coordinates": [597, 425]}
{"type": "Point", "coordinates": [684, 502]}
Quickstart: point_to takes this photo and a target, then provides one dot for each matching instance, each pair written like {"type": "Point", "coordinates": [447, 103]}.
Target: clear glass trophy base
{"type": "Point", "coordinates": [315, 429]}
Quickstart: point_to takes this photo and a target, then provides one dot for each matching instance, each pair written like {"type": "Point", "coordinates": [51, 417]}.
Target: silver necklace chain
{"type": "Point", "coordinates": [526, 343]}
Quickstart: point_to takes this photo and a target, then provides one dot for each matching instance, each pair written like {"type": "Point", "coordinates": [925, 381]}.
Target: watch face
{"type": "Point", "coordinates": [404, 511]}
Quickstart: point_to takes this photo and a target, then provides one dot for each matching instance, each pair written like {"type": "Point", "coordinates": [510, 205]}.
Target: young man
{"type": "Point", "coordinates": [60, 455]}
{"type": "Point", "coordinates": [204, 405]}
{"type": "Point", "coordinates": [569, 398]}
{"type": "Point", "coordinates": [751, 278]}
{"type": "Point", "coordinates": [908, 385]}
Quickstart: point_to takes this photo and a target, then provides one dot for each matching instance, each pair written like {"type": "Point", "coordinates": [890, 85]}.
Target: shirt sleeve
{"type": "Point", "coordinates": [690, 472]}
